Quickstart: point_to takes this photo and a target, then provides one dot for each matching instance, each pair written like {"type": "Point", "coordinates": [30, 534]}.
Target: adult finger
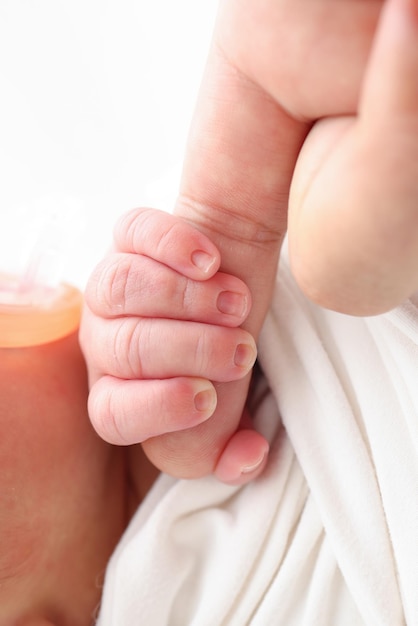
{"type": "Point", "coordinates": [247, 132]}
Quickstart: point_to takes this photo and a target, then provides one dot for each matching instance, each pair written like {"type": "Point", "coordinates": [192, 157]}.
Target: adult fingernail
{"type": "Point", "coordinates": [232, 303]}
{"type": "Point", "coordinates": [205, 400]}
{"type": "Point", "coordinates": [245, 355]}
{"type": "Point", "coordinates": [203, 260]}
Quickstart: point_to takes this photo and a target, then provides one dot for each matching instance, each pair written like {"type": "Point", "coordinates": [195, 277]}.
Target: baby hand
{"type": "Point", "coordinates": [169, 365]}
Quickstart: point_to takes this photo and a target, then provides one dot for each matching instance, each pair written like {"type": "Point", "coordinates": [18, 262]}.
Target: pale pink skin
{"type": "Point", "coordinates": [65, 491]}
{"type": "Point", "coordinates": [334, 127]}
{"type": "Point", "coordinates": [160, 329]}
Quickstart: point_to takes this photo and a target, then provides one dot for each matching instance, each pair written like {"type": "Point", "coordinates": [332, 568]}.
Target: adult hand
{"type": "Point", "coordinates": [316, 100]}
{"type": "Point", "coordinates": [306, 123]}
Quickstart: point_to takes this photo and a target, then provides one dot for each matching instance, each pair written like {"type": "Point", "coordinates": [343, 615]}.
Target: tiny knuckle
{"type": "Point", "coordinates": [126, 352]}
{"type": "Point", "coordinates": [110, 419]}
{"type": "Point", "coordinates": [185, 294]}
{"type": "Point", "coordinates": [166, 239]}
{"type": "Point", "coordinates": [202, 352]}
{"type": "Point", "coordinates": [141, 228]}
{"type": "Point", "coordinates": [125, 229]}
{"type": "Point", "coordinates": [159, 284]}
{"type": "Point", "coordinates": [108, 285]}
{"type": "Point", "coordinates": [115, 284]}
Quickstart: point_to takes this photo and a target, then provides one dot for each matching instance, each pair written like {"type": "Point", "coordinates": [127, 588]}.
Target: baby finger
{"type": "Point", "coordinates": [126, 412]}
{"type": "Point", "coordinates": [153, 348]}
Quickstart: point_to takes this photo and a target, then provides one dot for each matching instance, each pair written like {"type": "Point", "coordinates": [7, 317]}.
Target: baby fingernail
{"type": "Point", "coordinates": [232, 303]}
{"type": "Point", "coordinates": [245, 355]}
{"type": "Point", "coordinates": [248, 469]}
{"type": "Point", "coordinates": [203, 260]}
{"type": "Point", "coordinates": [205, 400]}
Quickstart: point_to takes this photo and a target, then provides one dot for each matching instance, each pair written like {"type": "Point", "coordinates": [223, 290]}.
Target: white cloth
{"type": "Point", "coordinates": [328, 535]}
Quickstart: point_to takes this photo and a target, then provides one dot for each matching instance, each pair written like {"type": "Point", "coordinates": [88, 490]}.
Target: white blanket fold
{"type": "Point", "coordinates": [328, 535]}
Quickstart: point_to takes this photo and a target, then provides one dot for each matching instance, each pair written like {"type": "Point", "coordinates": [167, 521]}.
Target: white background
{"type": "Point", "coordinates": [96, 98]}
